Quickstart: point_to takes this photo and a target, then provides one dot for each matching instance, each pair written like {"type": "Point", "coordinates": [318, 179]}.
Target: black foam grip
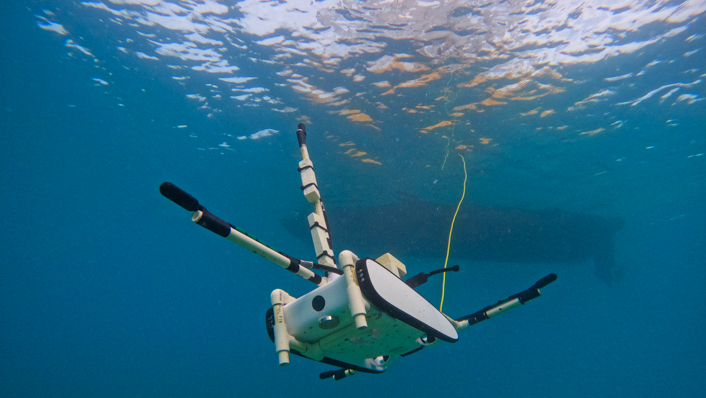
{"type": "Point", "coordinates": [545, 281]}
{"type": "Point", "coordinates": [179, 196]}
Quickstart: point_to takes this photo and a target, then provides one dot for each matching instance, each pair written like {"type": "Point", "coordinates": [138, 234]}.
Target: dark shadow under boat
{"type": "Point", "coordinates": [421, 229]}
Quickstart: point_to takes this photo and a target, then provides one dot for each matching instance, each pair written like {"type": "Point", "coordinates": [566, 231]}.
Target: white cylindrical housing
{"type": "Point", "coordinates": [279, 297]}
{"type": "Point", "coordinates": [347, 261]}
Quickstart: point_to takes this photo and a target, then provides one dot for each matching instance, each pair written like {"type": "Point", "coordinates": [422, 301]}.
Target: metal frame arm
{"type": "Point", "coordinates": [508, 303]}
{"type": "Point", "coordinates": [216, 225]}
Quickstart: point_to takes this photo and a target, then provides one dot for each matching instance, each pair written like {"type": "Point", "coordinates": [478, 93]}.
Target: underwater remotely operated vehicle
{"type": "Point", "coordinates": [362, 315]}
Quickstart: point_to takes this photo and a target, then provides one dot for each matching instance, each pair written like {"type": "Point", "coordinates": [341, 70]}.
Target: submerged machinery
{"type": "Point", "coordinates": [362, 314]}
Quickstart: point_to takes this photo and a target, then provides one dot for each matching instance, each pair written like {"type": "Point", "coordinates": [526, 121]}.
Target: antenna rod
{"type": "Point", "coordinates": [318, 221]}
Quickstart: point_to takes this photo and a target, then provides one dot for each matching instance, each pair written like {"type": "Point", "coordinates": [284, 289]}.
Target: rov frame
{"type": "Point", "coordinates": [361, 316]}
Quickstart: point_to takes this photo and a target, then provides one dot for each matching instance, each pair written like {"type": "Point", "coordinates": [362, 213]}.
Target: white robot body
{"type": "Point", "coordinates": [362, 315]}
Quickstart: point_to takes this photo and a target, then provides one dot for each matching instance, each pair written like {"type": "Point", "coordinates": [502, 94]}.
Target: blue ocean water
{"type": "Point", "coordinates": [108, 289]}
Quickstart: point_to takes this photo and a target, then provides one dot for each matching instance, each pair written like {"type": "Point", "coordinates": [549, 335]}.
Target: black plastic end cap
{"type": "Point", "coordinates": [476, 317]}
{"type": "Point", "coordinates": [528, 295]}
{"type": "Point", "coordinates": [341, 374]}
{"type": "Point", "coordinates": [214, 224]}
{"type": "Point", "coordinates": [336, 374]}
{"type": "Point", "coordinates": [179, 196]}
{"type": "Point", "coordinates": [301, 134]}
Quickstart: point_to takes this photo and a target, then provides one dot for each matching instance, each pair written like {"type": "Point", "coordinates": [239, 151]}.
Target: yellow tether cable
{"type": "Point", "coordinates": [448, 246]}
